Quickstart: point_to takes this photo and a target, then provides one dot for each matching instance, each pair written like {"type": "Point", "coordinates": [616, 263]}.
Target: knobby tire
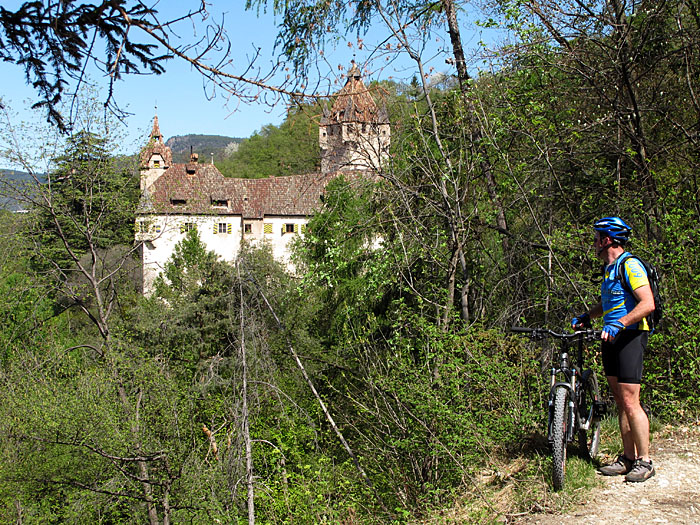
{"type": "Point", "coordinates": [560, 421]}
{"type": "Point", "coordinates": [589, 440]}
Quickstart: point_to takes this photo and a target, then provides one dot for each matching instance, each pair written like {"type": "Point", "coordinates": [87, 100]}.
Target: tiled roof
{"type": "Point", "coordinates": [159, 148]}
{"type": "Point", "coordinates": [156, 145]}
{"type": "Point", "coordinates": [155, 132]}
{"type": "Point", "coordinates": [354, 103]}
{"type": "Point", "coordinates": [182, 192]}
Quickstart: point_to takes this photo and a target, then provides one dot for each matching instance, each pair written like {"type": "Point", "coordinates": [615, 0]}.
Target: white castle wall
{"type": "Point", "coordinates": [161, 233]}
{"type": "Point", "coordinates": [344, 145]}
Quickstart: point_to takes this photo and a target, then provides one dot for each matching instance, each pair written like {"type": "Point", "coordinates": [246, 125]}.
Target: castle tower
{"type": "Point", "coordinates": [354, 134]}
{"type": "Point", "coordinates": [155, 158]}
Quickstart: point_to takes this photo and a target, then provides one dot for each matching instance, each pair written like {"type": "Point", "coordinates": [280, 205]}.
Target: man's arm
{"type": "Point", "coordinates": [645, 305]}
{"type": "Point", "coordinates": [583, 320]}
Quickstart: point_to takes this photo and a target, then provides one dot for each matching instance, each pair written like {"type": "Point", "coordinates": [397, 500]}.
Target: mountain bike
{"type": "Point", "coordinates": [574, 406]}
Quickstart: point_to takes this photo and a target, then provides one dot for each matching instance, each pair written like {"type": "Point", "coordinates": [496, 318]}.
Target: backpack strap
{"type": "Point", "coordinates": [619, 274]}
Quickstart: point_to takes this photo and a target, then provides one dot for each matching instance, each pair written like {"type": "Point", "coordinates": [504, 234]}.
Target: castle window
{"type": "Point", "coordinates": [219, 203]}
{"type": "Point", "coordinates": [248, 228]}
{"type": "Point", "coordinates": [156, 164]}
{"type": "Point", "coordinates": [187, 226]}
{"type": "Point", "coordinates": [288, 228]}
{"type": "Point", "coordinates": [222, 227]}
{"type": "Point", "coordinates": [178, 202]}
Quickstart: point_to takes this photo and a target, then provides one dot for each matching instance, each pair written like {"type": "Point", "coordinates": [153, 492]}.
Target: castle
{"type": "Point", "coordinates": [354, 139]}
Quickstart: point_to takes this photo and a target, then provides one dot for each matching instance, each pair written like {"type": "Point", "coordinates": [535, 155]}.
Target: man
{"type": "Point", "coordinates": [624, 339]}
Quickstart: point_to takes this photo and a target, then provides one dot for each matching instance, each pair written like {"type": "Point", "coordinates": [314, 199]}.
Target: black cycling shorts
{"type": "Point", "coordinates": [623, 357]}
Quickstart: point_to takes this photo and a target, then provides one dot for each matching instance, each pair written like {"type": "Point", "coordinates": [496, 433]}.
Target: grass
{"type": "Point", "coordinates": [516, 484]}
{"type": "Point", "coordinates": [513, 486]}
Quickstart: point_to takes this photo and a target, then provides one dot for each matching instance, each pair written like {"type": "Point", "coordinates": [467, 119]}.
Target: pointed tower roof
{"type": "Point", "coordinates": [354, 103]}
{"type": "Point", "coordinates": [155, 132]}
{"type": "Point", "coordinates": [156, 146]}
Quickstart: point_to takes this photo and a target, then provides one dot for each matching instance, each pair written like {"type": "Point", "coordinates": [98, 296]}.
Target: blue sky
{"type": "Point", "coordinates": [182, 105]}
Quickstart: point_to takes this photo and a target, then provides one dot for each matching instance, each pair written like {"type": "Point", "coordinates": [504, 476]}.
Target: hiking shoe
{"type": "Point", "coordinates": [641, 471]}
{"type": "Point", "coordinates": [622, 465]}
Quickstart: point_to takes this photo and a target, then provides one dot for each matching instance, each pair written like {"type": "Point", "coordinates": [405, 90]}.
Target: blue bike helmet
{"type": "Point", "coordinates": [613, 227]}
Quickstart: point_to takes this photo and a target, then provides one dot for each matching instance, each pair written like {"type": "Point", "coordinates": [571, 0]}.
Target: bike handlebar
{"type": "Point", "coordinates": [541, 333]}
{"type": "Point", "coordinates": [522, 329]}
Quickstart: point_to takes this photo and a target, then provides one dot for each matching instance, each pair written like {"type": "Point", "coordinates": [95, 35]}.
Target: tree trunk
{"type": "Point", "coordinates": [246, 427]}
{"type": "Point", "coordinates": [142, 466]}
{"type": "Point", "coordinates": [478, 150]}
{"type": "Point", "coordinates": [456, 40]}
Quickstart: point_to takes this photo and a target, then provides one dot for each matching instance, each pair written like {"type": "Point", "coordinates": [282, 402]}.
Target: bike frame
{"type": "Point", "coordinates": [567, 374]}
{"type": "Point", "coordinates": [571, 389]}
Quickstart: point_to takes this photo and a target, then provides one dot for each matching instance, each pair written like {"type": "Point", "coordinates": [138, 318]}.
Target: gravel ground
{"type": "Point", "coordinates": [672, 496]}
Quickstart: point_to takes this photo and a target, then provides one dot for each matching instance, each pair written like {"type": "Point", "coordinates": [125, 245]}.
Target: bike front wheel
{"type": "Point", "coordinates": [560, 422]}
{"type": "Point", "coordinates": [589, 440]}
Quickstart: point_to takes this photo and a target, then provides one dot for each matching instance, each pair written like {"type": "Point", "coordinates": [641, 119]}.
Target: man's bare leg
{"type": "Point", "coordinates": [628, 442]}
{"type": "Point", "coordinates": [638, 422]}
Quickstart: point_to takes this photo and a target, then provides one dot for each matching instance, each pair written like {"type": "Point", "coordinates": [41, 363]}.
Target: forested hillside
{"type": "Point", "coordinates": [12, 179]}
{"type": "Point", "coordinates": [379, 382]}
{"type": "Point", "coordinates": [208, 147]}
{"type": "Point", "coordinates": [289, 149]}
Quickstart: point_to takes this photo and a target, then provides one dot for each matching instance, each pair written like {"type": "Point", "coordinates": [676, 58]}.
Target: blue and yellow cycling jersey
{"type": "Point", "coordinates": [618, 302]}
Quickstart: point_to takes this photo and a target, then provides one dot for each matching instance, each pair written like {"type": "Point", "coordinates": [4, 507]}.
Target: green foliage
{"type": "Point", "coordinates": [420, 392]}
{"type": "Point", "coordinates": [25, 306]}
{"type": "Point", "coordinates": [190, 267]}
{"type": "Point", "coordinates": [194, 322]}
{"type": "Point", "coordinates": [289, 149]}
{"type": "Point", "coordinates": [89, 202]}
{"type": "Point", "coordinates": [376, 313]}
{"type": "Point", "coordinates": [68, 429]}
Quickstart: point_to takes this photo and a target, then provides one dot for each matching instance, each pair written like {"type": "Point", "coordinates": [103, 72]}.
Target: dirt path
{"type": "Point", "coordinates": [672, 496]}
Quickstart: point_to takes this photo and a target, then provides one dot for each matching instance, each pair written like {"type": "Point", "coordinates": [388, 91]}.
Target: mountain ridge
{"type": "Point", "coordinates": [206, 146]}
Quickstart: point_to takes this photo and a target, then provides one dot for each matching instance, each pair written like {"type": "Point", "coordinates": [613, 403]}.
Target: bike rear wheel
{"type": "Point", "coordinates": [560, 421]}
{"type": "Point", "coordinates": [589, 440]}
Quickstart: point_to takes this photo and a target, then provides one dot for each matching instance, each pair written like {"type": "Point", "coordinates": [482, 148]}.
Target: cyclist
{"type": "Point", "coordinates": [624, 339]}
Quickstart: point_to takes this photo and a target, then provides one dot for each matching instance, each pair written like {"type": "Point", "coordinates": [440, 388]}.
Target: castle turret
{"type": "Point", "coordinates": [354, 134]}
{"type": "Point", "coordinates": [155, 158]}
